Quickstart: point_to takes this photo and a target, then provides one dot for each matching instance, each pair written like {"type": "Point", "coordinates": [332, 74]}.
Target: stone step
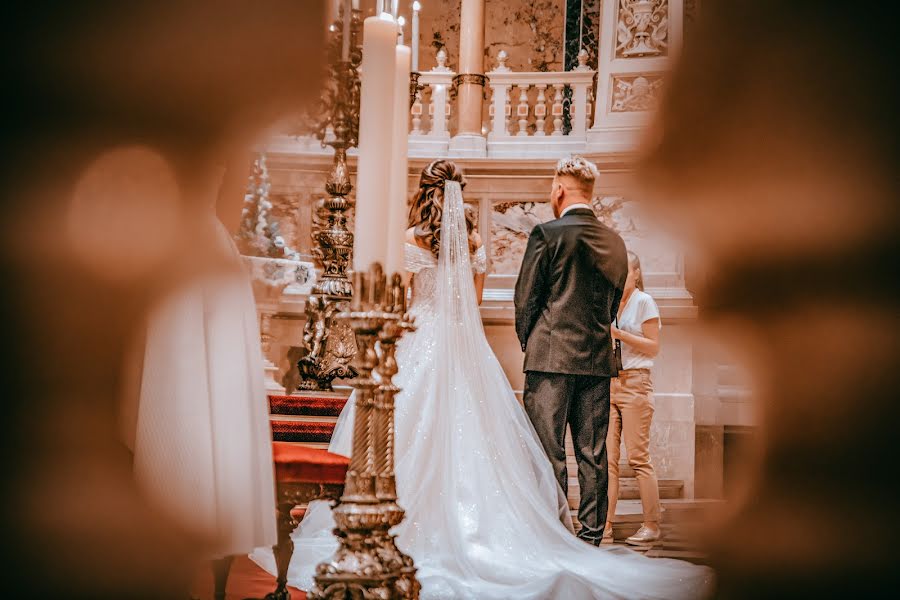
{"type": "Point", "coordinates": [728, 374]}
{"type": "Point", "coordinates": [734, 393]}
{"type": "Point", "coordinates": [680, 518]}
{"type": "Point", "coordinates": [624, 470]}
{"type": "Point", "coordinates": [628, 489]}
{"type": "Point", "coordinates": [676, 510]}
{"type": "Point", "coordinates": [694, 556]}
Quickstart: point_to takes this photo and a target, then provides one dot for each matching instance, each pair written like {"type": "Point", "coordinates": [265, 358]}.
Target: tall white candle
{"type": "Point", "coordinates": [333, 9]}
{"type": "Point", "coordinates": [400, 23]}
{"type": "Point", "coordinates": [345, 33]}
{"type": "Point", "coordinates": [397, 212]}
{"type": "Point", "coordinates": [376, 118]}
{"type": "Point", "coordinates": [414, 39]}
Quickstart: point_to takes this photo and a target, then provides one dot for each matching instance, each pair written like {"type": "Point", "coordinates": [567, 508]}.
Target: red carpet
{"type": "Point", "coordinates": [245, 581]}
{"type": "Point", "coordinates": [302, 431]}
{"type": "Point", "coordinates": [309, 405]}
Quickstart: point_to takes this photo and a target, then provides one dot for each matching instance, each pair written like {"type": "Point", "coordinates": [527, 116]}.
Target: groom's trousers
{"type": "Point", "coordinates": [554, 400]}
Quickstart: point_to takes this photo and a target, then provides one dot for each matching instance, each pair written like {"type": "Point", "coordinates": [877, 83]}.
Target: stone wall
{"type": "Point", "coordinates": [531, 32]}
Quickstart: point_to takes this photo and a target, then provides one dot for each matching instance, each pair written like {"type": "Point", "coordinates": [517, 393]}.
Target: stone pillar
{"type": "Point", "coordinates": [469, 140]}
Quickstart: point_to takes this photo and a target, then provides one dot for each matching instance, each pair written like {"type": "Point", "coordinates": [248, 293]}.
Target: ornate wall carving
{"type": "Point", "coordinates": [635, 93]}
{"type": "Point", "coordinates": [642, 28]}
{"type": "Point", "coordinates": [512, 223]}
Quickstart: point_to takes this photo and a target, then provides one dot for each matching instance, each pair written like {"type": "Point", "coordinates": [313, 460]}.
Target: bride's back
{"type": "Point", "coordinates": [423, 240]}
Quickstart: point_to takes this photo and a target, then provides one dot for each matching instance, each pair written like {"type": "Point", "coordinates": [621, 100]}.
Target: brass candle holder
{"type": "Point", "coordinates": [328, 345]}
{"type": "Point", "coordinates": [368, 563]}
{"type": "Point", "coordinates": [414, 87]}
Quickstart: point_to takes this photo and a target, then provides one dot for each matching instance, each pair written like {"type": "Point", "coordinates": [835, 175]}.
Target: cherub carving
{"type": "Point", "coordinates": [315, 332]}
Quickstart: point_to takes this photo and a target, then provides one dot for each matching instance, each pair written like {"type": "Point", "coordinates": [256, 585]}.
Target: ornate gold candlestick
{"type": "Point", "coordinates": [414, 87]}
{"type": "Point", "coordinates": [368, 563]}
{"type": "Point", "coordinates": [329, 345]}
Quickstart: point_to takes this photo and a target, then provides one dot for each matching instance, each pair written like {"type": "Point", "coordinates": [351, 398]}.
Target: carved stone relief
{"type": "Point", "coordinates": [642, 28]}
{"type": "Point", "coordinates": [635, 93]}
{"type": "Point", "coordinates": [512, 223]}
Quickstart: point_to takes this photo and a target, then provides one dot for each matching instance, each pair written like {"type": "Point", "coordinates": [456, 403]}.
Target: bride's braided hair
{"type": "Point", "coordinates": [428, 205]}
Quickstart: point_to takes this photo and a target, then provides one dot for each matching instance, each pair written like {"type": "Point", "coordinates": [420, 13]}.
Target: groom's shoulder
{"type": "Point", "coordinates": [556, 225]}
{"type": "Point", "coordinates": [571, 224]}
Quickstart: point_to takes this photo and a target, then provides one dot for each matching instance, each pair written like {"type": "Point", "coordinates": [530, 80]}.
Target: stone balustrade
{"type": "Point", "coordinates": [538, 114]}
{"type": "Point", "coordinates": [429, 134]}
{"type": "Point", "coordinates": [529, 114]}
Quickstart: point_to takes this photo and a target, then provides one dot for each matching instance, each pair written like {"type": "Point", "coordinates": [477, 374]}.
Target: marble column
{"type": "Point", "coordinates": [469, 140]}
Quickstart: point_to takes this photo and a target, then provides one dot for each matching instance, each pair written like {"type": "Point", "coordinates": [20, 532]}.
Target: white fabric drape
{"type": "Point", "coordinates": [203, 447]}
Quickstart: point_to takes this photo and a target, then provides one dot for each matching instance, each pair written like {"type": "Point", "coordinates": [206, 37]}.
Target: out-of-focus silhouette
{"type": "Point", "coordinates": [117, 114]}
{"type": "Point", "coordinates": [775, 154]}
{"type": "Point", "coordinates": [203, 443]}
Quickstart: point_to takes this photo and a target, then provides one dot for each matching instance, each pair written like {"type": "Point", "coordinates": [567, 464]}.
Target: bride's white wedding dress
{"type": "Point", "coordinates": [484, 513]}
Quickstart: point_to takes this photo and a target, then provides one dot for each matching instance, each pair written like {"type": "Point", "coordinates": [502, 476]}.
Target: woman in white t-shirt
{"type": "Point", "coordinates": [631, 402]}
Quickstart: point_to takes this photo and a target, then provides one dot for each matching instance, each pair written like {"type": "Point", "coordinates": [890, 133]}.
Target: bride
{"type": "Point", "coordinates": [485, 516]}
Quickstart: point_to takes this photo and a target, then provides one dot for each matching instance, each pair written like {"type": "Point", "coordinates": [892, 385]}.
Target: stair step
{"type": "Point", "coordinates": [678, 545]}
{"type": "Point", "coordinates": [624, 469]}
{"type": "Point", "coordinates": [698, 558]}
{"type": "Point", "coordinates": [318, 404]}
{"type": "Point", "coordinates": [304, 432]}
{"type": "Point", "coordinates": [675, 511]}
{"type": "Point", "coordinates": [684, 510]}
{"type": "Point", "coordinates": [668, 488]}
{"type": "Point", "coordinates": [628, 489]}
{"type": "Point", "coordinates": [303, 418]}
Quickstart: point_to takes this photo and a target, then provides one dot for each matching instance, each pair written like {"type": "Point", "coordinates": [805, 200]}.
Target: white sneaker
{"type": "Point", "coordinates": [644, 536]}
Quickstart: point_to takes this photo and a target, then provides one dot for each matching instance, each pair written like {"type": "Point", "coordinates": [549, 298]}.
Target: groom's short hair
{"type": "Point", "coordinates": [579, 169]}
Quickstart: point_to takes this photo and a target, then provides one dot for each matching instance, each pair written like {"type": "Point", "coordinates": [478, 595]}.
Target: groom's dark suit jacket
{"type": "Point", "coordinates": [568, 293]}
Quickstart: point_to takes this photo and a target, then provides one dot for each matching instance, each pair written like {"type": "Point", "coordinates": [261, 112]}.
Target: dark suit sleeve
{"type": "Point", "coordinates": [620, 284]}
{"type": "Point", "coordinates": [532, 286]}
{"type": "Point", "coordinates": [614, 309]}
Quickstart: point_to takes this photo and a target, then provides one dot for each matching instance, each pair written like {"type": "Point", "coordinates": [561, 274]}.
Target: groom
{"type": "Point", "coordinates": [567, 294]}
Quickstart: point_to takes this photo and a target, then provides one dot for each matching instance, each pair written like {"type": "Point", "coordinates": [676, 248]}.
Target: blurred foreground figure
{"type": "Point", "coordinates": [117, 113]}
{"type": "Point", "coordinates": [203, 447]}
{"type": "Point", "coordinates": [776, 154]}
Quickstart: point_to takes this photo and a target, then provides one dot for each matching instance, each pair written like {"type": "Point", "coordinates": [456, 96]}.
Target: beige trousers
{"type": "Point", "coordinates": [630, 414]}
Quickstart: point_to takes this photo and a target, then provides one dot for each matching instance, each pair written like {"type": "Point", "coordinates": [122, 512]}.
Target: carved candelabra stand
{"type": "Point", "coordinates": [329, 345]}
{"type": "Point", "coordinates": [368, 564]}
{"type": "Point", "coordinates": [414, 87]}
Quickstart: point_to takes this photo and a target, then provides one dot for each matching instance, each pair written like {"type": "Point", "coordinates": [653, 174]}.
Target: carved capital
{"type": "Point", "coordinates": [468, 78]}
